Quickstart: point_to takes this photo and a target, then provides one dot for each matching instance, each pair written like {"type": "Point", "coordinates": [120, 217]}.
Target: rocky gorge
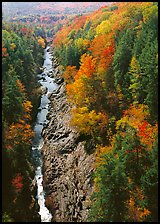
{"type": "Point", "coordinates": [67, 168]}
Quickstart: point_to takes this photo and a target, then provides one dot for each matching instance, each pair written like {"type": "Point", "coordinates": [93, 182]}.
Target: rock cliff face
{"type": "Point", "coordinates": [67, 167]}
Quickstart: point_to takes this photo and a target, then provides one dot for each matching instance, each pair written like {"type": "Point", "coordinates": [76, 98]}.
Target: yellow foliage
{"type": "Point", "coordinates": [150, 12]}
{"type": "Point", "coordinates": [41, 42]}
{"type": "Point", "coordinates": [82, 44]}
{"type": "Point", "coordinates": [12, 46]}
{"type": "Point", "coordinates": [76, 92]}
{"type": "Point", "coordinates": [104, 27]}
{"type": "Point", "coordinates": [100, 150]}
{"type": "Point", "coordinates": [88, 122]}
{"type": "Point", "coordinates": [27, 106]}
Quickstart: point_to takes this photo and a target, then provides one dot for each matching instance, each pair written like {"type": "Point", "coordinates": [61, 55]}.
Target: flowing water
{"type": "Point", "coordinates": [38, 140]}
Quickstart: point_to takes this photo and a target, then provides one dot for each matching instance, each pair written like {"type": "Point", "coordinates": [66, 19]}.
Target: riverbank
{"type": "Point", "coordinates": [67, 168]}
{"type": "Point", "coordinates": [47, 87]}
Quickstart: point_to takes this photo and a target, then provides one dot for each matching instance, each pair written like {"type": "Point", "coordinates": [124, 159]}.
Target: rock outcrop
{"type": "Point", "coordinates": [67, 168]}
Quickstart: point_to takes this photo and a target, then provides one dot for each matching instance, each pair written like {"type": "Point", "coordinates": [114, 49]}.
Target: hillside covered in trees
{"type": "Point", "coordinates": [19, 10]}
{"type": "Point", "coordinates": [22, 55]}
{"type": "Point", "coordinates": [109, 59]}
{"type": "Point", "coordinates": [110, 63]}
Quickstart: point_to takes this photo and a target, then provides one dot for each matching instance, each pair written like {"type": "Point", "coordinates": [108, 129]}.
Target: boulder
{"type": "Point", "coordinates": [59, 80]}
{"type": "Point", "coordinates": [67, 168]}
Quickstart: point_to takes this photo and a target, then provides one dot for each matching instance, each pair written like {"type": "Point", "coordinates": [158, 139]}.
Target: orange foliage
{"type": "Point", "coordinates": [20, 86]}
{"type": "Point", "coordinates": [69, 74]}
{"type": "Point", "coordinates": [79, 92]}
{"type": "Point", "coordinates": [136, 117]}
{"type": "Point", "coordinates": [18, 133]}
{"type": "Point", "coordinates": [147, 133]}
{"type": "Point", "coordinates": [27, 108]}
{"type": "Point", "coordinates": [27, 105]}
{"type": "Point", "coordinates": [88, 66]}
{"type": "Point", "coordinates": [4, 51]}
{"type": "Point", "coordinates": [79, 22]}
{"type": "Point", "coordinates": [136, 213]}
{"type": "Point", "coordinates": [99, 43]}
{"type": "Point", "coordinates": [61, 36]}
{"type": "Point", "coordinates": [106, 58]}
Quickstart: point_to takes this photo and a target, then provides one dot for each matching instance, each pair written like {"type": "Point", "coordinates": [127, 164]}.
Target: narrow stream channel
{"type": "Point", "coordinates": [38, 140]}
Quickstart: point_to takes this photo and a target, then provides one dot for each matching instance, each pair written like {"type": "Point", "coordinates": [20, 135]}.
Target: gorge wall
{"type": "Point", "coordinates": [67, 168]}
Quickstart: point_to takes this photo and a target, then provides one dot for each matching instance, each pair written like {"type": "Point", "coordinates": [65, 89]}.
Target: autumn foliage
{"type": "Point", "coordinates": [112, 87]}
{"type": "Point", "coordinates": [17, 182]}
{"type": "Point", "coordinates": [69, 74]}
{"type": "Point", "coordinates": [136, 117]}
{"type": "Point", "coordinates": [41, 42]}
{"type": "Point", "coordinates": [21, 56]}
{"type": "Point", "coordinates": [110, 66]}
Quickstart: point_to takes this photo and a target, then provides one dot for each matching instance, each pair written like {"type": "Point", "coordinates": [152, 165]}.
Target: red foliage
{"type": "Point", "coordinates": [79, 22]}
{"type": "Point", "coordinates": [17, 182]}
{"type": "Point", "coordinates": [107, 56]}
{"type": "Point", "coordinates": [24, 30]}
{"type": "Point", "coordinates": [143, 129]}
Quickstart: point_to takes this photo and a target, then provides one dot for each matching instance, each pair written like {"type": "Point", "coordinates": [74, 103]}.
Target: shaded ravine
{"type": "Point", "coordinates": [48, 86]}
{"type": "Point", "coordinates": [67, 168]}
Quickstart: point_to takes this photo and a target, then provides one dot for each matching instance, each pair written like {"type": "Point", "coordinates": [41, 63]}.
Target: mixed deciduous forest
{"type": "Point", "coordinates": [109, 60]}
{"type": "Point", "coordinates": [22, 10]}
{"type": "Point", "coordinates": [22, 55]}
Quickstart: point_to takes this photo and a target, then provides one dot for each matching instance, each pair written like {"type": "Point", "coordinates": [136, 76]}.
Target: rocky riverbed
{"type": "Point", "coordinates": [67, 168]}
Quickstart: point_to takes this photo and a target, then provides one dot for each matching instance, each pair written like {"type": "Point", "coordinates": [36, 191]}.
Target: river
{"type": "Point", "coordinates": [38, 141]}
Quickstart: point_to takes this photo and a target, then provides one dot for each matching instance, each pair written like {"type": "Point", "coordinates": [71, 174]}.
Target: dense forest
{"type": "Point", "coordinates": [109, 60]}
{"type": "Point", "coordinates": [22, 55]}
{"type": "Point", "coordinates": [110, 63]}
{"type": "Point", "coordinates": [14, 10]}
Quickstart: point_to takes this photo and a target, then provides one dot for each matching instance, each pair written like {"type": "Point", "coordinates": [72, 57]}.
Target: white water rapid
{"type": "Point", "coordinates": [38, 141]}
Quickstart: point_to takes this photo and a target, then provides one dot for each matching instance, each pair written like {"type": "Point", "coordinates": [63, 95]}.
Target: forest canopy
{"type": "Point", "coordinates": [110, 62]}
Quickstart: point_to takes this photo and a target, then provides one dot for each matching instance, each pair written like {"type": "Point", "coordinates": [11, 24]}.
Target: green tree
{"type": "Point", "coordinates": [149, 184]}
{"type": "Point", "coordinates": [12, 98]}
{"type": "Point", "coordinates": [121, 60]}
{"type": "Point", "coordinates": [109, 201]}
{"type": "Point", "coordinates": [135, 73]}
{"type": "Point", "coordinates": [146, 52]}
